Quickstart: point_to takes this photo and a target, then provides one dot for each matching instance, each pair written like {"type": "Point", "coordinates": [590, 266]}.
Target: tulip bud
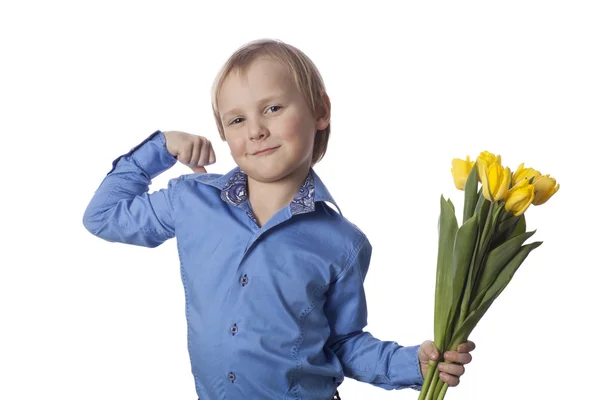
{"type": "Point", "coordinates": [484, 160]}
{"type": "Point", "coordinates": [545, 187]}
{"type": "Point", "coordinates": [524, 173]}
{"type": "Point", "coordinates": [519, 197]}
{"type": "Point", "coordinates": [495, 181]}
{"type": "Point", "coordinates": [460, 171]}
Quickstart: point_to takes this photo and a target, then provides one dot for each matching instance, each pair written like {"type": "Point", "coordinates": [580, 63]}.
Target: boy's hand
{"type": "Point", "coordinates": [191, 150]}
{"type": "Point", "coordinates": [449, 373]}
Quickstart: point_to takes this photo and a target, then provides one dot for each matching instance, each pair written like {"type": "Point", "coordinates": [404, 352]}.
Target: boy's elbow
{"type": "Point", "coordinates": [91, 221]}
{"type": "Point", "coordinates": [97, 222]}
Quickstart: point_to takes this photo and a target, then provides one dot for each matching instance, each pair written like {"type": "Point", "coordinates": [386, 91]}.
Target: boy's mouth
{"type": "Point", "coordinates": [267, 150]}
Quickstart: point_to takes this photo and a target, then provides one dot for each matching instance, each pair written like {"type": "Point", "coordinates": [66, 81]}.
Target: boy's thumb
{"type": "Point", "coordinates": [198, 170]}
{"type": "Point", "coordinates": [429, 350]}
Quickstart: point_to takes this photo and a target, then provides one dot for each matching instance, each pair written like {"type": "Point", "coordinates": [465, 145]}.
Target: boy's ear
{"type": "Point", "coordinates": [324, 112]}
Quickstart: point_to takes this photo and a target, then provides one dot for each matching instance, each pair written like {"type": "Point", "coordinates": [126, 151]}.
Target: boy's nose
{"type": "Point", "coordinates": [258, 132]}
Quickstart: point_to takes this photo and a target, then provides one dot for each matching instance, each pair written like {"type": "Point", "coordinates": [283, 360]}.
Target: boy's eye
{"type": "Point", "coordinates": [273, 108]}
{"type": "Point", "coordinates": [236, 121]}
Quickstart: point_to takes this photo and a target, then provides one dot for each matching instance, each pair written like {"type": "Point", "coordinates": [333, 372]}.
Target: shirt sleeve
{"type": "Point", "coordinates": [122, 210]}
{"type": "Point", "coordinates": [385, 364]}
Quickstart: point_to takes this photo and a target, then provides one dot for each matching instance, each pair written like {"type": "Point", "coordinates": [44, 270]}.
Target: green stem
{"type": "Point", "coordinates": [432, 385]}
{"type": "Point", "coordinates": [440, 384]}
{"type": "Point", "coordinates": [431, 368]}
{"type": "Point", "coordinates": [438, 388]}
{"type": "Point", "coordinates": [465, 299]}
{"type": "Point", "coordinates": [442, 392]}
{"type": "Point", "coordinates": [488, 233]}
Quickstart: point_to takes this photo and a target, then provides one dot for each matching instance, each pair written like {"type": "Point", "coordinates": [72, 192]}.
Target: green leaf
{"type": "Point", "coordinates": [520, 227]}
{"type": "Point", "coordinates": [506, 226]}
{"type": "Point", "coordinates": [482, 204]}
{"type": "Point", "coordinates": [498, 258]}
{"type": "Point", "coordinates": [490, 223]}
{"type": "Point", "coordinates": [444, 274]}
{"type": "Point", "coordinates": [504, 276]}
{"type": "Point", "coordinates": [464, 246]}
{"type": "Point", "coordinates": [493, 291]}
{"type": "Point", "coordinates": [508, 223]}
{"type": "Point", "coordinates": [484, 241]}
{"type": "Point", "coordinates": [471, 194]}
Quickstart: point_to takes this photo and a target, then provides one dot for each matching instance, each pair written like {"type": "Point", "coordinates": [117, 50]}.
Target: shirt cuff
{"type": "Point", "coordinates": [405, 369]}
{"type": "Point", "coordinates": [151, 155]}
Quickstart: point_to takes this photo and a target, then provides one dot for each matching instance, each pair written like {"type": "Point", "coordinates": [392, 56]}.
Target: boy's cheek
{"type": "Point", "coordinates": [237, 147]}
{"type": "Point", "coordinates": [293, 131]}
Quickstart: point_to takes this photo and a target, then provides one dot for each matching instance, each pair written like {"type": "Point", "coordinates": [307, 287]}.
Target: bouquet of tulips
{"type": "Point", "coordinates": [477, 260]}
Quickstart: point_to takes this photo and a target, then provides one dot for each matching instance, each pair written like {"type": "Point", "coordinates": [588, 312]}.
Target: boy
{"type": "Point", "coordinates": [273, 276]}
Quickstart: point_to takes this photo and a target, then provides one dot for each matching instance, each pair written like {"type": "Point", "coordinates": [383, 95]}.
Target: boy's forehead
{"type": "Point", "coordinates": [260, 76]}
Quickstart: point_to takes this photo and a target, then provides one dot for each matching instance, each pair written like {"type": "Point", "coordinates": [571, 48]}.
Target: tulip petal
{"type": "Point", "coordinates": [519, 197]}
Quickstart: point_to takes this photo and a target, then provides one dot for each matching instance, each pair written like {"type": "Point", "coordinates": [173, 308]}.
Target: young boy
{"type": "Point", "coordinates": [273, 276]}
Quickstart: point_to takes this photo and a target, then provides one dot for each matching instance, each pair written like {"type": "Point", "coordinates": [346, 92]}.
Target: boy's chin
{"type": "Point", "coordinates": [266, 176]}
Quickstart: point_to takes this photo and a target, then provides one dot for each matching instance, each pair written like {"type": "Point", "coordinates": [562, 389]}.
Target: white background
{"type": "Point", "coordinates": [412, 85]}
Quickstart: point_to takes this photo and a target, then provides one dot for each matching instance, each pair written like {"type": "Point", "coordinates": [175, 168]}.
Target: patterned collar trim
{"type": "Point", "coordinates": [235, 193]}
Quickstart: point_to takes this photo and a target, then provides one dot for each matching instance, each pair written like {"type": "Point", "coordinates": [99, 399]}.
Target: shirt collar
{"type": "Point", "coordinates": [233, 187]}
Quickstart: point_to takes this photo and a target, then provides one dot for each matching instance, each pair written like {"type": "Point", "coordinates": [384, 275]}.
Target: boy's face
{"type": "Point", "coordinates": [268, 125]}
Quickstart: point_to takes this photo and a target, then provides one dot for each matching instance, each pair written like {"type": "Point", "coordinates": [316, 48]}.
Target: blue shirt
{"type": "Point", "coordinates": [273, 312]}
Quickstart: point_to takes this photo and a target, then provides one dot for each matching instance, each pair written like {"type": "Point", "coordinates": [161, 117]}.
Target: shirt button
{"type": "Point", "coordinates": [244, 280]}
{"type": "Point", "coordinates": [231, 376]}
{"type": "Point", "coordinates": [233, 329]}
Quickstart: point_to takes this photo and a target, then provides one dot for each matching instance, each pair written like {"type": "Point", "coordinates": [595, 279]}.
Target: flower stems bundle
{"type": "Point", "coordinates": [477, 260]}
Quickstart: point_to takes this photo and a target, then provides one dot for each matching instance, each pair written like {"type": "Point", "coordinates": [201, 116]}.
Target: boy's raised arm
{"type": "Point", "coordinates": [381, 363]}
{"type": "Point", "coordinates": [122, 210]}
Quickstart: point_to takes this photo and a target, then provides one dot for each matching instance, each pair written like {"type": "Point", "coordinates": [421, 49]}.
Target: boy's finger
{"type": "Point", "coordinates": [196, 153]}
{"type": "Point", "coordinates": [212, 158]}
{"type": "Point", "coordinates": [466, 347]}
{"type": "Point", "coordinates": [204, 155]}
{"type": "Point", "coordinates": [198, 170]}
{"type": "Point", "coordinates": [459, 358]}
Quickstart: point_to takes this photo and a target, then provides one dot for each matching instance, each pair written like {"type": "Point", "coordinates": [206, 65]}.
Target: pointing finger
{"type": "Point", "coordinates": [212, 158]}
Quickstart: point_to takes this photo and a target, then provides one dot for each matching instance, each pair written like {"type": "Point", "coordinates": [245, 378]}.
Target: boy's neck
{"type": "Point", "coordinates": [267, 198]}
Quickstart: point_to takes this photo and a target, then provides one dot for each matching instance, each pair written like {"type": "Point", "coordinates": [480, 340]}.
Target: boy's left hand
{"type": "Point", "coordinates": [449, 373]}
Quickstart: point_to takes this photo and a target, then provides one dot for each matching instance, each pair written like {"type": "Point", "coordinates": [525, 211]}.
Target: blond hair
{"type": "Point", "coordinates": [305, 74]}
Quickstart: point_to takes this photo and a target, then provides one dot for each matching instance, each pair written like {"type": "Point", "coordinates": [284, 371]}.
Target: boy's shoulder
{"type": "Point", "coordinates": [204, 178]}
{"type": "Point", "coordinates": [336, 227]}
{"type": "Point", "coordinates": [208, 179]}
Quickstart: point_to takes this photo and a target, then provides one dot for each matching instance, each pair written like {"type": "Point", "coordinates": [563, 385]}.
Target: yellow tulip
{"type": "Point", "coordinates": [519, 197]}
{"type": "Point", "coordinates": [524, 173]}
{"type": "Point", "coordinates": [545, 187]}
{"type": "Point", "coordinates": [460, 171]}
{"type": "Point", "coordinates": [484, 160]}
{"type": "Point", "coordinates": [495, 182]}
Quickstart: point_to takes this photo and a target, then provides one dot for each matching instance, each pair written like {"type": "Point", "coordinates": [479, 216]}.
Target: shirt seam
{"type": "Point", "coordinates": [177, 190]}
{"type": "Point", "coordinates": [300, 340]}
{"type": "Point", "coordinates": [351, 258]}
